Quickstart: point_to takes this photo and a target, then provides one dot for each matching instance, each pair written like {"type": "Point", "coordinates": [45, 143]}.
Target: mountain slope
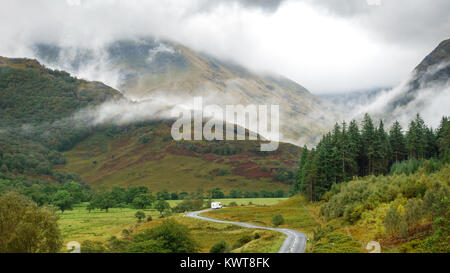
{"type": "Point", "coordinates": [149, 68]}
{"type": "Point", "coordinates": [38, 122]}
{"type": "Point", "coordinates": [146, 155]}
{"type": "Point", "coordinates": [441, 54]}
{"type": "Point", "coordinates": [426, 91]}
{"type": "Point", "coordinates": [31, 93]}
{"type": "Point", "coordinates": [433, 72]}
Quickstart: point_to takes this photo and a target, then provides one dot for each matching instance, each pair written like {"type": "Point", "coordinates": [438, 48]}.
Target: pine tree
{"type": "Point", "coordinates": [443, 139]}
{"type": "Point", "coordinates": [349, 166]}
{"type": "Point", "coordinates": [354, 149]}
{"type": "Point", "coordinates": [310, 177]}
{"type": "Point", "coordinates": [301, 169]}
{"type": "Point", "coordinates": [336, 155]}
{"type": "Point", "coordinates": [397, 142]}
{"type": "Point", "coordinates": [368, 140]}
{"type": "Point", "coordinates": [431, 145]}
{"type": "Point", "coordinates": [382, 151]}
{"type": "Point", "coordinates": [345, 152]}
{"type": "Point", "coordinates": [415, 138]}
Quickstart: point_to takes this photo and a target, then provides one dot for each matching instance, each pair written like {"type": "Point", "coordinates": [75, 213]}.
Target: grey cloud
{"type": "Point", "coordinates": [352, 44]}
{"type": "Point", "coordinates": [398, 21]}
{"type": "Point", "coordinates": [346, 8]}
{"type": "Point", "coordinates": [265, 5]}
{"type": "Point", "coordinates": [270, 5]}
{"type": "Point", "coordinates": [411, 21]}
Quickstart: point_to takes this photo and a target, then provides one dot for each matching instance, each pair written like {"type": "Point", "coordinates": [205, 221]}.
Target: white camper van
{"type": "Point", "coordinates": [216, 205]}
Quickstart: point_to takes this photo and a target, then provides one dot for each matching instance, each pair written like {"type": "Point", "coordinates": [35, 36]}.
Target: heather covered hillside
{"type": "Point", "coordinates": [39, 121]}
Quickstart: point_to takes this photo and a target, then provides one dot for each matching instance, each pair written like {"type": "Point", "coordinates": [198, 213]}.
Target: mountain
{"type": "Point", "coordinates": [431, 75]}
{"type": "Point", "coordinates": [440, 55]}
{"type": "Point", "coordinates": [145, 154]}
{"type": "Point", "coordinates": [149, 68]}
{"type": "Point", "coordinates": [32, 93]}
{"type": "Point", "coordinates": [41, 139]}
{"type": "Point", "coordinates": [35, 106]}
{"type": "Point", "coordinates": [426, 91]}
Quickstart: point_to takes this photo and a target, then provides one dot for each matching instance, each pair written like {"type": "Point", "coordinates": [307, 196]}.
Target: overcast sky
{"type": "Point", "coordinates": [327, 46]}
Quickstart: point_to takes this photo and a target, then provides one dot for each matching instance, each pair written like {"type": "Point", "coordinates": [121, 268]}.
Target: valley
{"type": "Point", "coordinates": [100, 172]}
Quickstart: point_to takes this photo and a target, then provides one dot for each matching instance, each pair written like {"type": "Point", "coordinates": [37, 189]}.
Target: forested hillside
{"type": "Point", "coordinates": [392, 187]}
{"type": "Point", "coordinates": [35, 106]}
{"type": "Point", "coordinates": [406, 211]}
{"type": "Point", "coordinates": [32, 93]}
{"type": "Point", "coordinates": [352, 150]}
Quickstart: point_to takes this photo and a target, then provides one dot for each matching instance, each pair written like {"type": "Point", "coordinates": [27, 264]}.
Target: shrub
{"type": "Point", "coordinates": [144, 139]}
{"type": "Point", "coordinates": [89, 246]}
{"type": "Point", "coordinates": [140, 215]}
{"type": "Point", "coordinates": [125, 233]}
{"type": "Point", "coordinates": [220, 247]}
{"type": "Point", "coordinates": [439, 242]}
{"type": "Point", "coordinates": [189, 205]}
{"type": "Point", "coordinates": [246, 238]}
{"type": "Point", "coordinates": [353, 213]}
{"type": "Point", "coordinates": [257, 236]}
{"type": "Point", "coordinates": [169, 237]}
{"type": "Point", "coordinates": [277, 220]}
{"type": "Point", "coordinates": [115, 245]}
{"type": "Point", "coordinates": [437, 200]}
{"type": "Point", "coordinates": [392, 220]}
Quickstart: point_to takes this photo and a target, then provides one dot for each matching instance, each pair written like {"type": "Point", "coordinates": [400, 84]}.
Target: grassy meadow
{"type": "Point", "coordinates": [208, 234]}
{"type": "Point", "coordinates": [79, 225]}
{"type": "Point", "coordinates": [295, 214]}
{"type": "Point", "coordinates": [298, 214]}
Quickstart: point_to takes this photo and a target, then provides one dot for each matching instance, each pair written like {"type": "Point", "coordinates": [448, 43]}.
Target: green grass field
{"type": "Point", "coordinates": [79, 224]}
{"type": "Point", "coordinates": [296, 216]}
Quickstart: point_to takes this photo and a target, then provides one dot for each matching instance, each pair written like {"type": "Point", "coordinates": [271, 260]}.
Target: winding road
{"type": "Point", "coordinates": [295, 241]}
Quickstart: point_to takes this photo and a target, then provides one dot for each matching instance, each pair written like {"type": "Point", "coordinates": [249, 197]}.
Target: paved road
{"type": "Point", "coordinates": [295, 241]}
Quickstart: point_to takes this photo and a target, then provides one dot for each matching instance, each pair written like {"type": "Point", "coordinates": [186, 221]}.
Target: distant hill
{"type": "Point", "coordinates": [41, 141]}
{"type": "Point", "coordinates": [149, 67]}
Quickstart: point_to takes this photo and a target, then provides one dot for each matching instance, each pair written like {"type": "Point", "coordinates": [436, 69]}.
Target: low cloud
{"type": "Point", "coordinates": [404, 101]}
{"type": "Point", "coordinates": [327, 46]}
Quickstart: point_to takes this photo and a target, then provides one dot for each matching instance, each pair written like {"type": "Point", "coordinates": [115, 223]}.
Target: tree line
{"type": "Point", "coordinates": [69, 193]}
{"type": "Point", "coordinates": [351, 150]}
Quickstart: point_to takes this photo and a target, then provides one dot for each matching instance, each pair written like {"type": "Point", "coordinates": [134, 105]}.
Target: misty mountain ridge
{"type": "Point", "coordinates": [433, 70]}
{"type": "Point", "coordinates": [160, 74]}
{"type": "Point", "coordinates": [152, 69]}
{"type": "Point", "coordinates": [349, 100]}
{"type": "Point", "coordinates": [54, 126]}
{"type": "Point", "coordinates": [425, 91]}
